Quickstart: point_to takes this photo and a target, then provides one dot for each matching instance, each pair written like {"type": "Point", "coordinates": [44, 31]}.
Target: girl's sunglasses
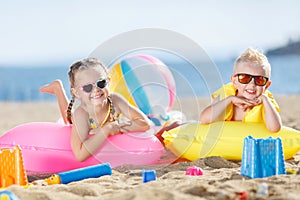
{"type": "Point", "coordinates": [246, 78]}
{"type": "Point", "coordinates": [99, 84]}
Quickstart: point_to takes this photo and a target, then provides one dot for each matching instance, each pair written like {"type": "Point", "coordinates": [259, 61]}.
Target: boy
{"type": "Point", "coordinates": [246, 98]}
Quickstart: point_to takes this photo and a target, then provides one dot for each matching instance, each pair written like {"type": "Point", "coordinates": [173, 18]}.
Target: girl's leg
{"type": "Point", "coordinates": [56, 88]}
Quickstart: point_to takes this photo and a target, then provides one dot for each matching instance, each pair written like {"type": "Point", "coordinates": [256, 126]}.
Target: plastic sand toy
{"type": "Point", "coordinates": [194, 171]}
{"type": "Point", "coordinates": [262, 157]}
{"type": "Point", "coordinates": [149, 175]}
{"type": "Point", "coordinates": [12, 168]}
{"type": "Point", "coordinates": [80, 174]}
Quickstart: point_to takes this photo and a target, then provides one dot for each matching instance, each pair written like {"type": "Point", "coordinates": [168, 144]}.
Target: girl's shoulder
{"type": "Point", "coordinates": [116, 97]}
{"type": "Point", "coordinates": [118, 102]}
{"type": "Point", "coordinates": [80, 112]}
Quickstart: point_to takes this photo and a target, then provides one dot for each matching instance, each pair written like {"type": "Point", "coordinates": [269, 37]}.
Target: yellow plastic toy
{"type": "Point", "coordinates": [54, 179]}
{"type": "Point", "coordinates": [225, 139]}
{"type": "Point", "coordinates": [12, 167]}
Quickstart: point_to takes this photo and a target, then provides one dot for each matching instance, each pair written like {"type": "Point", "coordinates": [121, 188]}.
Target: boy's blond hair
{"type": "Point", "coordinates": [256, 57]}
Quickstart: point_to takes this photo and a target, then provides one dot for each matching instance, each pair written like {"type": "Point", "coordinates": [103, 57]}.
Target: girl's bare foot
{"type": "Point", "coordinates": [52, 88]}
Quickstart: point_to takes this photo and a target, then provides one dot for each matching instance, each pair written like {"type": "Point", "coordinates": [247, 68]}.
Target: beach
{"type": "Point", "coordinates": [221, 178]}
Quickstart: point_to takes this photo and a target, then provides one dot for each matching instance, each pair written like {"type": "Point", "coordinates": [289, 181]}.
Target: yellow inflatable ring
{"type": "Point", "coordinates": [193, 141]}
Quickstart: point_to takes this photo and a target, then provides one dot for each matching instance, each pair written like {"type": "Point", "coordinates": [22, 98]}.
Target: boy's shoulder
{"type": "Point", "coordinates": [224, 91]}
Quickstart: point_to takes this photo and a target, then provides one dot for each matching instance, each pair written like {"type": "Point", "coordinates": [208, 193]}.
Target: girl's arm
{"type": "Point", "coordinates": [138, 121]}
{"type": "Point", "coordinates": [215, 111]}
{"type": "Point", "coordinates": [82, 145]}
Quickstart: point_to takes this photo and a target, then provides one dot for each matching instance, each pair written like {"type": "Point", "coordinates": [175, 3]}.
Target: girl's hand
{"type": "Point", "coordinates": [112, 128]}
{"type": "Point", "coordinates": [123, 126]}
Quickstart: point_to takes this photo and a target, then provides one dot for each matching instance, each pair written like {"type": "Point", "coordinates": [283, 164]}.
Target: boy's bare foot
{"type": "Point", "coordinates": [52, 88]}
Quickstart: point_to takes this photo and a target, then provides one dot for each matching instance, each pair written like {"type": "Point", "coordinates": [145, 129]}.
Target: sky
{"type": "Point", "coordinates": [59, 32]}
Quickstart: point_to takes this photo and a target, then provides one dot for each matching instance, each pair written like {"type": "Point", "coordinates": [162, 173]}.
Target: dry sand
{"type": "Point", "coordinates": [221, 179]}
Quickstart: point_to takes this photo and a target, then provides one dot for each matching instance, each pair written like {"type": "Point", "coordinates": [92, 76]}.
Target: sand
{"type": "Point", "coordinates": [221, 179]}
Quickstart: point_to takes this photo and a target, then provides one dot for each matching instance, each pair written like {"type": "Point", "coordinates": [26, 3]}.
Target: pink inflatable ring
{"type": "Point", "coordinates": [46, 148]}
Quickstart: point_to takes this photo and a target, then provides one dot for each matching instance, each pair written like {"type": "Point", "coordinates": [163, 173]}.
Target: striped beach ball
{"type": "Point", "coordinates": [146, 82]}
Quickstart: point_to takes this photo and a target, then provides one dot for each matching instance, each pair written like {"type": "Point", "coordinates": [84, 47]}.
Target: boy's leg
{"type": "Point", "coordinates": [56, 88]}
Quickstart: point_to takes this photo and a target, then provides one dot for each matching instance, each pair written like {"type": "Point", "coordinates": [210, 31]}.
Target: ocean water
{"type": "Point", "coordinates": [21, 84]}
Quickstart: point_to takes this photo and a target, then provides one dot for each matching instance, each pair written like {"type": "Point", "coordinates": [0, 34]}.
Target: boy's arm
{"type": "Point", "coordinates": [215, 111]}
{"type": "Point", "coordinates": [271, 115]}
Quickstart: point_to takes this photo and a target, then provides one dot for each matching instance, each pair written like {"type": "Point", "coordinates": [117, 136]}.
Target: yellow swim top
{"type": "Point", "coordinates": [111, 116]}
{"type": "Point", "coordinates": [256, 114]}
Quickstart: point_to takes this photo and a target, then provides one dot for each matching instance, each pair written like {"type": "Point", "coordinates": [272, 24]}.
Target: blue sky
{"type": "Point", "coordinates": [51, 32]}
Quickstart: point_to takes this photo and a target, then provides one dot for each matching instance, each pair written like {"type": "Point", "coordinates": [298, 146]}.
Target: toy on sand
{"type": "Point", "coordinates": [194, 171]}
{"type": "Point", "coordinates": [80, 174]}
{"type": "Point", "coordinates": [262, 157]}
{"type": "Point", "coordinates": [149, 175]}
{"type": "Point", "coordinates": [7, 195]}
{"type": "Point", "coordinates": [12, 168]}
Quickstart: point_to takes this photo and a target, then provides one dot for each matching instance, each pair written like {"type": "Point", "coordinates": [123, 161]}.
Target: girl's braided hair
{"type": "Point", "coordinates": [81, 65]}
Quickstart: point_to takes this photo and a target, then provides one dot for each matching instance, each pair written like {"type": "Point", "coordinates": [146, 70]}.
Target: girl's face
{"type": "Point", "coordinates": [250, 90]}
{"type": "Point", "coordinates": [91, 86]}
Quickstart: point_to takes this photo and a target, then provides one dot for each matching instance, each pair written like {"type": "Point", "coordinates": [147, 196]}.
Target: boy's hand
{"type": "Point", "coordinates": [244, 103]}
{"type": "Point", "coordinates": [262, 99]}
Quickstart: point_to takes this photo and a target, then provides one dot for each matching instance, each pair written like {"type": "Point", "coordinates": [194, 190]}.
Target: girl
{"type": "Point", "coordinates": [98, 114]}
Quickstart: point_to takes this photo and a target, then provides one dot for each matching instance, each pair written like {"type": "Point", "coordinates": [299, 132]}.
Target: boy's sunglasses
{"type": "Point", "coordinates": [246, 78]}
{"type": "Point", "coordinates": [99, 84]}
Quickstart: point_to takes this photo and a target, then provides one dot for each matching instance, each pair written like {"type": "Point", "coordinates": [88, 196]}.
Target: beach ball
{"type": "Point", "coordinates": [146, 82]}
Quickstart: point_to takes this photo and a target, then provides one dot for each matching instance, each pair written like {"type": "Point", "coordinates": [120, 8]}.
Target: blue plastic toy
{"type": "Point", "coordinates": [149, 175]}
{"type": "Point", "coordinates": [80, 174]}
{"type": "Point", "coordinates": [262, 157]}
{"type": "Point", "coordinates": [7, 195]}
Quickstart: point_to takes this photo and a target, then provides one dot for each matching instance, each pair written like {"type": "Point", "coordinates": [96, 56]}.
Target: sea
{"type": "Point", "coordinates": [21, 84]}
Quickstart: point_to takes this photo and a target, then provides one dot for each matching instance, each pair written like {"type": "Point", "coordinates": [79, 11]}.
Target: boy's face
{"type": "Point", "coordinates": [250, 90]}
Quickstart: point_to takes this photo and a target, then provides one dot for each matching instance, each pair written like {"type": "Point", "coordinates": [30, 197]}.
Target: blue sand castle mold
{"type": "Point", "coordinates": [262, 157]}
